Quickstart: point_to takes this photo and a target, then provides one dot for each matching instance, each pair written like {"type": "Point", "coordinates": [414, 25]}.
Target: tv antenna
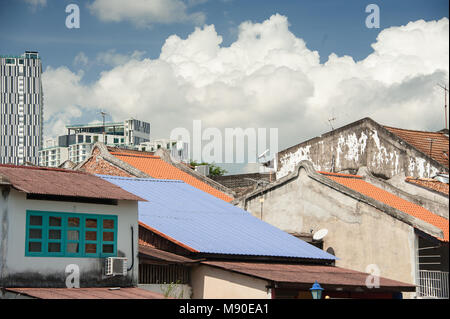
{"type": "Point", "coordinates": [330, 120]}
{"type": "Point", "coordinates": [431, 144]}
{"type": "Point", "coordinates": [263, 155]}
{"type": "Point", "coordinates": [445, 102]}
{"type": "Point", "coordinates": [103, 117]}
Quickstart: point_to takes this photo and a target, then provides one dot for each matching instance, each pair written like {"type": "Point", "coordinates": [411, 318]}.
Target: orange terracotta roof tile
{"type": "Point", "coordinates": [339, 174]}
{"type": "Point", "coordinates": [155, 167]}
{"type": "Point", "coordinates": [369, 190]}
{"type": "Point", "coordinates": [430, 184]}
{"type": "Point", "coordinates": [434, 144]}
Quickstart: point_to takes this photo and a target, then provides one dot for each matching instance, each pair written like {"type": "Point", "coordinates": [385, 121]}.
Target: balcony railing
{"type": "Point", "coordinates": [432, 284]}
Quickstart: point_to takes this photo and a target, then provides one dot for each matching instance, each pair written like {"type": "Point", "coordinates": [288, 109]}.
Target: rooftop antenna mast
{"type": "Point", "coordinates": [445, 102]}
{"type": "Point", "coordinates": [330, 120]}
{"type": "Point", "coordinates": [431, 144]}
{"type": "Point", "coordinates": [103, 116]}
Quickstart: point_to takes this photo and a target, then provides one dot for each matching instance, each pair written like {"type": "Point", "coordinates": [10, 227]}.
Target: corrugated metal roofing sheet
{"type": "Point", "coordinates": [87, 293]}
{"type": "Point", "coordinates": [148, 252]}
{"type": "Point", "coordinates": [208, 224]}
{"type": "Point", "coordinates": [307, 274]}
{"type": "Point", "coordinates": [60, 182]}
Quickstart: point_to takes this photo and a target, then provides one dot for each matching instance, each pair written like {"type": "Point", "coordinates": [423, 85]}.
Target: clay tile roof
{"type": "Point", "coordinates": [155, 167]}
{"type": "Point", "coordinates": [429, 183]}
{"type": "Point", "coordinates": [340, 175]}
{"type": "Point", "coordinates": [307, 274]}
{"type": "Point", "coordinates": [422, 141]}
{"type": "Point", "coordinates": [361, 186]}
{"type": "Point", "coordinates": [87, 293]}
{"type": "Point", "coordinates": [61, 182]}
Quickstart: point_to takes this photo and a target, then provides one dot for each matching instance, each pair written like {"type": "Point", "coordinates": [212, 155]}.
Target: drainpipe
{"type": "Point", "coordinates": [132, 249]}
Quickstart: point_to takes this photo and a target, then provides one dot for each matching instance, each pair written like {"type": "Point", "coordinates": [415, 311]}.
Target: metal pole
{"type": "Point", "coordinates": [445, 102]}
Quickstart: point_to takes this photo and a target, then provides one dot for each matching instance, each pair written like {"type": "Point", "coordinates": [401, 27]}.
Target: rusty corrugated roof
{"type": "Point", "coordinates": [429, 183]}
{"type": "Point", "coordinates": [61, 182]}
{"type": "Point", "coordinates": [155, 167]}
{"type": "Point", "coordinates": [433, 144]}
{"type": "Point", "coordinates": [148, 252]}
{"type": "Point", "coordinates": [361, 186]}
{"type": "Point", "coordinates": [307, 274]}
{"type": "Point", "coordinates": [87, 293]}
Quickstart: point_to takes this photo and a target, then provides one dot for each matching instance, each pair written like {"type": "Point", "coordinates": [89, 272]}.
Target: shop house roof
{"type": "Point", "coordinates": [205, 224]}
{"type": "Point", "coordinates": [60, 182]}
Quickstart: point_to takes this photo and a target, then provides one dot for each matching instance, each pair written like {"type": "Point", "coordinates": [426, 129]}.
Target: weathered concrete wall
{"type": "Point", "coordinates": [214, 283]}
{"type": "Point", "coordinates": [433, 201]}
{"type": "Point", "coordinates": [363, 143]}
{"type": "Point", "coordinates": [4, 220]}
{"type": "Point", "coordinates": [359, 234]}
{"type": "Point", "coordinates": [24, 271]}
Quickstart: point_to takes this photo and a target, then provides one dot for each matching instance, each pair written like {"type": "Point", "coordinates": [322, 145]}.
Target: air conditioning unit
{"type": "Point", "coordinates": [202, 169]}
{"type": "Point", "coordinates": [116, 266]}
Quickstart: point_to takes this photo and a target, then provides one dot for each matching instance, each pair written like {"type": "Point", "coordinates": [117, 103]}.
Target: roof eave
{"type": "Point", "coordinates": [312, 173]}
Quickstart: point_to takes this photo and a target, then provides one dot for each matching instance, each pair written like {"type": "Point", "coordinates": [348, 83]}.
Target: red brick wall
{"type": "Point", "coordinates": [97, 165]}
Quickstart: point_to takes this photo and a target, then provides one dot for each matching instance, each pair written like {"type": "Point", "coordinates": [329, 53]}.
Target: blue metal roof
{"type": "Point", "coordinates": [209, 224]}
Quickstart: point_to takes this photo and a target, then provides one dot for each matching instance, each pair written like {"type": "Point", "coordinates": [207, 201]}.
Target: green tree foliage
{"type": "Point", "coordinates": [214, 170]}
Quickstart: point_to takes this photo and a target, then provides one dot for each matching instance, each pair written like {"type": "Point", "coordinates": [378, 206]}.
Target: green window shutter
{"type": "Point", "coordinates": [54, 234]}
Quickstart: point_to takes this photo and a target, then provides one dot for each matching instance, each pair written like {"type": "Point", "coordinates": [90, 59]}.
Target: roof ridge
{"type": "Point", "coordinates": [140, 179]}
{"type": "Point", "coordinates": [340, 174]}
{"type": "Point", "coordinates": [134, 155]}
{"type": "Point", "coordinates": [436, 219]}
{"type": "Point", "coordinates": [43, 168]}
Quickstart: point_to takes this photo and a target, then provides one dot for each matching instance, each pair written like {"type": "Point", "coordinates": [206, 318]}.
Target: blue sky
{"type": "Point", "coordinates": [266, 72]}
{"type": "Point", "coordinates": [327, 26]}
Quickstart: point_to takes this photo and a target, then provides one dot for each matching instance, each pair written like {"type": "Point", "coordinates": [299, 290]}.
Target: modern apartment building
{"type": "Point", "coordinates": [179, 150]}
{"type": "Point", "coordinates": [77, 144]}
{"type": "Point", "coordinates": [130, 132]}
{"type": "Point", "coordinates": [21, 108]}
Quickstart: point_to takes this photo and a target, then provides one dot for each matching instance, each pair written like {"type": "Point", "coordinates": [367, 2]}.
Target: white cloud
{"type": "Point", "coordinates": [34, 5]}
{"type": "Point", "coordinates": [64, 98]}
{"type": "Point", "coordinates": [193, 3]}
{"type": "Point", "coordinates": [144, 13]}
{"type": "Point", "coordinates": [37, 3]}
{"type": "Point", "coordinates": [269, 78]}
{"type": "Point", "coordinates": [112, 58]}
{"type": "Point", "coordinates": [81, 59]}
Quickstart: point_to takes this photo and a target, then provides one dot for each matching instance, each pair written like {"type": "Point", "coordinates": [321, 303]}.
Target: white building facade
{"type": "Point", "coordinates": [76, 146]}
{"type": "Point", "coordinates": [44, 238]}
{"type": "Point", "coordinates": [21, 108]}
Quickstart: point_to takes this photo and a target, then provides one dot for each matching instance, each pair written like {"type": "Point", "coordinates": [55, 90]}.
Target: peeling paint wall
{"type": "Point", "coordinates": [24, 271]}
{"type": "Point", "coordinates": [354, 146]}
{"type": "Point", "coordinates": [4, 229]}
{"type": "Point", "coordinates": [359, 234]}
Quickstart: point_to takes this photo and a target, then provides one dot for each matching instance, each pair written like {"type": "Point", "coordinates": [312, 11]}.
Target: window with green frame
{"type": "Point", "coordinates": [54, 234]}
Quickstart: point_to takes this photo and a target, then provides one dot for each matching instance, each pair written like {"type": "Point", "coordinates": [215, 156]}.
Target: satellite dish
{"type": "Point", "coordinates": [320, 234]}
{"type": "Point", "coordinates": [263, 154]}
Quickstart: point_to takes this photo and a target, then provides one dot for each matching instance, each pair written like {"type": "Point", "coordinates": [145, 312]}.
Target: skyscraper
{"type": "Point", "coordinates": [21, 108]}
